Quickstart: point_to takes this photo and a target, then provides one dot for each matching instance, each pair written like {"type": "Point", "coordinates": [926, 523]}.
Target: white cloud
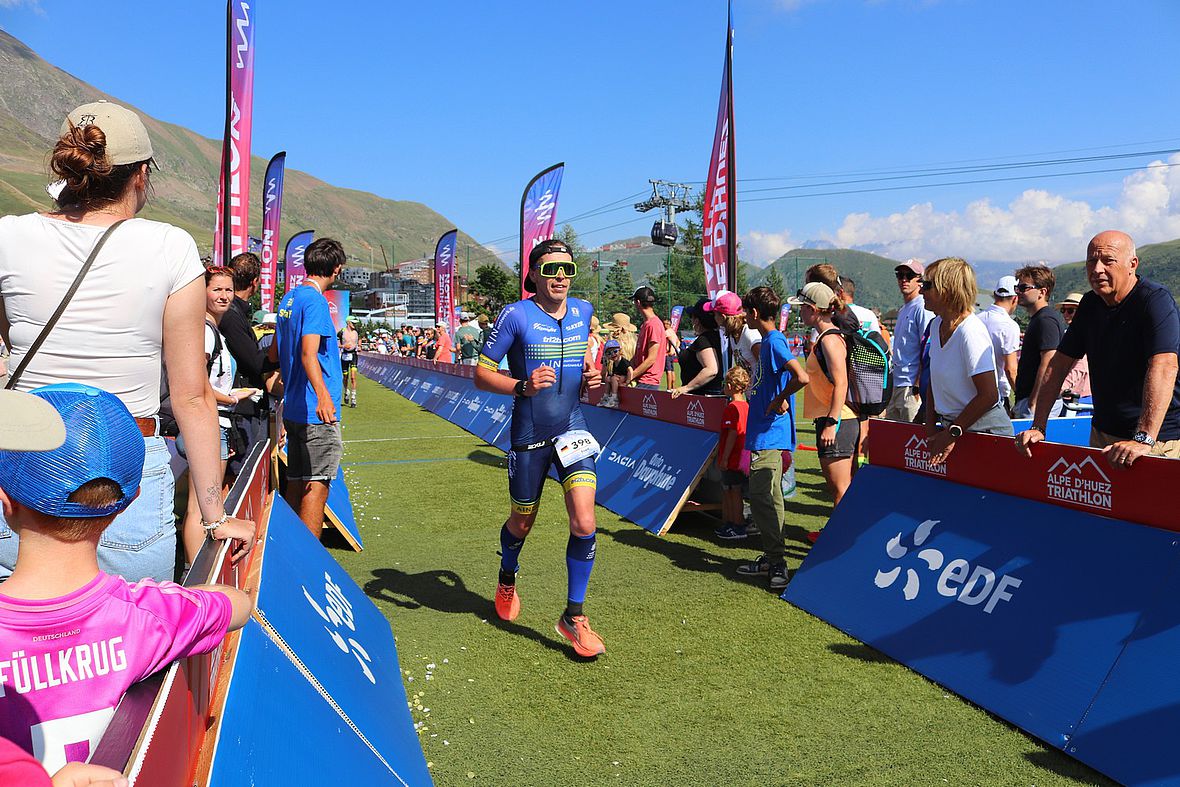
{"type": "Point", "coordinates": [34, 5]}
{"type": "Point", "coordinates": [765, 247]}
{"type": "Point", "coordinates": [1036, 225]}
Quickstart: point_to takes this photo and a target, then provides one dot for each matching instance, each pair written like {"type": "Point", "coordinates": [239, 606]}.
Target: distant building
{"type": "Point", "coordinates": [355, 276]}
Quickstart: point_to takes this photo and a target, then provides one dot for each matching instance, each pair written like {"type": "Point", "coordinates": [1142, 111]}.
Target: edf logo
{"type": "Point", "coordinates": [971, 586]}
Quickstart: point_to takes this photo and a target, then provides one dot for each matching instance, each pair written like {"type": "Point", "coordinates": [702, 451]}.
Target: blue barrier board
{"type": "Point", "coordinates": [647, 468]}
{"type": "Point", "coordinates": [1019, 606]}
{"type": "Point", "coordinates": [278, 729]}
{"type": "Point", "coordinates": [1070, 431]}
{"type": "Point", "coordinates": [339, 635]}
{"type": "Point", "coordinates": [1130, 729]}
{"type": "Point", "coordinates": [602, 422]}
{"type": "Point", "coordinates": [339, 509]}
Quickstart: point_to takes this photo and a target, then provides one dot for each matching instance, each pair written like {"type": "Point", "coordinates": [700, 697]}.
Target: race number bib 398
{"type": "Point", "coordinates": [575, 446]}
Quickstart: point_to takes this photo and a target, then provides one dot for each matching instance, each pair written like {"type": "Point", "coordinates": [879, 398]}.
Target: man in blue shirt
{"type": "Point", "coordinates": [912, 319]}
{"type": "Point", "coordinates": [544, 339]}
{"type": "Point", "coordinates": [1129, 329]}
{"type": "Point", "coordinates": [770, 430]}
{"type": "Point", "coordinates": [309, 361]}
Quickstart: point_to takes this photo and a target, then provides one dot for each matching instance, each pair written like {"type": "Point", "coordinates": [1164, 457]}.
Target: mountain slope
{"type": "Point", "coordinates": [1159, 262]}
{"type": "Point", "coordinates": [875, 284]}
{"type": "Point", "coordinates": [35, 96]}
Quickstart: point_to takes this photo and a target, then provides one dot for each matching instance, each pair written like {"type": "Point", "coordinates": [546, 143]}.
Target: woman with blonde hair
{"type": "Point", "coordinates": [964, 390]}
{"type": "Point", "coordinates": [825, 399]}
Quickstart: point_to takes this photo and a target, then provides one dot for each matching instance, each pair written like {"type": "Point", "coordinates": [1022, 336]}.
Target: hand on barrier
{"type": "Point", "coordinates": [940, 445]}
{"type": "Point", "coordinates": [1027, 439]}
{"type": "Point", "coordinates": [79, 774]}
{"type": "Point", "coordinates": [1125, 452]}
{"type": "Point", "coordinates": [542, 377]}
{"type": "Point", "coordinates": [241, 532]}
{"type": "Point", "coordinates": [678, 392]}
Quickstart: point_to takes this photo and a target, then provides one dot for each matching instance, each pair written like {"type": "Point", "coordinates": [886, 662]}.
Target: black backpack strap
{"type": "Point", "coordinates": [61, 307]}
{"type": "Point", "coordinates": [819, 351]}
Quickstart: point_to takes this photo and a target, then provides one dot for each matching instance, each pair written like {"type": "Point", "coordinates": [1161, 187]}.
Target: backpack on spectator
{"type": "Point", "coordinates": [168, 425]}
{"type": "Point", "coordinates": [870, 374]}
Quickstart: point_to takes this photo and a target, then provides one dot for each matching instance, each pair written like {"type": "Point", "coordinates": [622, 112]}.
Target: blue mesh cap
{"type": "Point", "coordinates": [102, 441]}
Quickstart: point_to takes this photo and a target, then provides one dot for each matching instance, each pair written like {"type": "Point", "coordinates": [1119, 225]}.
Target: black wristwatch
{"type": "Point", "coordinates": [1143, 437]}
{"type": "Point", "coordinates": [955, 430]}
{"type": "Point", "coordinates": [520, 384]}
{"type": "Point", "coordinates": [823, 422]}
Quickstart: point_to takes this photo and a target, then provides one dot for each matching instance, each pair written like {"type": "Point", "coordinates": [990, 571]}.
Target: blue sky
{"type": "Point", "coordinates": [457, 104]}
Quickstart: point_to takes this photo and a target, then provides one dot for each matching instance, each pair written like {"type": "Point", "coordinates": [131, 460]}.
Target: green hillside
{"type": "Point", "coordinates": [647, 260]}
{"type": "Point", "coordinates": [35, 96]}
{"type": "Point", "coordinates": [1159, 262]}
{"type": "Point", "coordinates": [875, 284]}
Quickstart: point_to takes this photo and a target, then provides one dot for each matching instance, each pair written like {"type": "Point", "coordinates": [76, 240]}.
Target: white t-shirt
{"type": "Point", "coordinates": [221, 373]}
{"type": "Point", "coordinates": [967, 353]}
{"type": "Point", "coordinates": [866, 317]}
{"type": "Point", "coordinates": [111, 333]}
{"type": "Point", "coordinates": [743, 348]}
{"type": "Point", "coordinates": [1005, 333]}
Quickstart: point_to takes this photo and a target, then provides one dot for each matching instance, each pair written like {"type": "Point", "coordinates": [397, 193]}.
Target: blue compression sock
{"type": "Point", "coordinates": [510, 547]}
{"type": "Point", "coordinates": [579, 561]}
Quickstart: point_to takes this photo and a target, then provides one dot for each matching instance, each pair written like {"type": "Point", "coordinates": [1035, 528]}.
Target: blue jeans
{"type": "Point", "coordinates": [141, 542]}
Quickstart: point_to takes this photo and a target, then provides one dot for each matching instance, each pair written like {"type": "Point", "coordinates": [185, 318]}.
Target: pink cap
{"type": "Point", "coordinates": [726, 302]}
{"type": "Point", "coordinates": [913, 265]}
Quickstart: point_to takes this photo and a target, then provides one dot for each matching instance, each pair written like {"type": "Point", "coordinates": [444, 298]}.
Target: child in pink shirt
{"type": "Point", "coordinates": [73, 639]}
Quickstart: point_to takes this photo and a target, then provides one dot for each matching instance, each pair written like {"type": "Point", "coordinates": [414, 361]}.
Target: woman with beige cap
{"type": "Point", "coordinates": [1078, 379]}
{"type": "Point", "coordinates": [140, 305]}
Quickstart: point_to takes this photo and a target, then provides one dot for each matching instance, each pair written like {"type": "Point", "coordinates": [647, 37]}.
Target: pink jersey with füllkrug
{"type": "Point", "coordinates": [66, 662]}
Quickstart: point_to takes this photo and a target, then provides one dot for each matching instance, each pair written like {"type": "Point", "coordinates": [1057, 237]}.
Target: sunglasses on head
{"type": "Point", "coordinates": [553, 269]}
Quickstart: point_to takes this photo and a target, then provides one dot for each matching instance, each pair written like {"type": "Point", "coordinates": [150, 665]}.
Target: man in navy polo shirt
{"type": "Point", "coordinates": [1129, 329]}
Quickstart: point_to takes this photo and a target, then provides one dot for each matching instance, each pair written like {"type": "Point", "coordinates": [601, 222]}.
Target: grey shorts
{"type": "Point", "coordinates": [847, 437]}
{"type": "Point", "coordinates": [314, 451]}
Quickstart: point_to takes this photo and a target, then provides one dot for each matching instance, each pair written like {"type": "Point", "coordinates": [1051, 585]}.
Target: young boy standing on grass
{"type": "Point", "coordinates": [730, 447]}
{"type": "Point", "coordinates": [770, 430]}
{"type": "Point", "coordinates": [72, 638]}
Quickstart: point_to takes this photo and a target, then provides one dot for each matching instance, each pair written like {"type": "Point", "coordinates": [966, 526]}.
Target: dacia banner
{"type": "Point", "coordinates": [233, 192]}
{"type": "Point", "coordinates": [341, 649]}
{"type": "Point", "coordinates": [272, 209]}
{"type": "Point", "coordinates": [293, 268]}
{"type": "Point", "coordinates": [1021, 607]}
{"type": "Point", "coordinates": [648, 468]}
{"type": "Point", "coordinates": [718, 229]}
{"type": "Point", "coordinates": [444, 281]}
{"type": "Point", "coordinates": [538, 215]}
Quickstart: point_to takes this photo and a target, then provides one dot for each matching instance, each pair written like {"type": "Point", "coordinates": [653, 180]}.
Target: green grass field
{"type": "Point", "coordinates": [707, 679]}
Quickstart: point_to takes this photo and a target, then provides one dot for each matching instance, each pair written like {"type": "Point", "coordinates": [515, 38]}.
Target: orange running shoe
{"type": "Point", "coordinates": [577, 630]}
{"type": "Point", "coordinates": [507, 602]}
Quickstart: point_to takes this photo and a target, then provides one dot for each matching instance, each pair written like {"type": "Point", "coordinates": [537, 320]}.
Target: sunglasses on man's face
{"type": "Point", "coordinates": [905, 276]}
{"type": "Point", "coordinates": [1068, 309]}
{"type": "Point", "coordinates": [566, 268]}
{"type": "Point", "coordinates": [1025, 287]}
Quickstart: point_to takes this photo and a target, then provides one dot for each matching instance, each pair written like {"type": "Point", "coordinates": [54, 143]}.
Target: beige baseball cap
{"type": "Point", "coordinates": [29, 424]}
{"type": "Point", "coordinates": [127, 139]}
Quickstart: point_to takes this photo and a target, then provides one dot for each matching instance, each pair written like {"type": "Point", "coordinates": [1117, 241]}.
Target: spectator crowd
{"type": "Point", "coordinates": [149, 352]}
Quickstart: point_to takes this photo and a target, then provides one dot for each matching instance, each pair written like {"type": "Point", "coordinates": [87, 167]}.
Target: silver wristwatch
{"type": "Point", "coordinates": [1143, 437]}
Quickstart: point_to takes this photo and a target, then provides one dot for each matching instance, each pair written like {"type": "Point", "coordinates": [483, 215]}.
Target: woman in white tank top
{"type": "Point", "coordinates": [143, 302]}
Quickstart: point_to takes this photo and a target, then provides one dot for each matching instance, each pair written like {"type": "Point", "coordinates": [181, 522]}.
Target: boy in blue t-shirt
{"type": "Point", "coordinates": [770, 430]}
{"type": "Point", "coordinates": [309, 360]}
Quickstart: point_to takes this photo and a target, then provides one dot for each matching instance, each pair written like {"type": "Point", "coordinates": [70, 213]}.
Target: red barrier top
{"type": "Point", "coordinates": [699, 412]}
{"type": "Point", "coordinates": [1064, 475]}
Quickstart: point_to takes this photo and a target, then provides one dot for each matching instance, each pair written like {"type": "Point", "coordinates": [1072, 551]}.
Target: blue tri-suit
{"type": "Point", "coordinates": [531, 338]}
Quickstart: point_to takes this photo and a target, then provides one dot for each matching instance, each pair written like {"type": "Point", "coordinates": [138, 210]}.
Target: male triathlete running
{"type": "Point", "coordinates": [545, 341]}
{"type": "Point", "coordinates": [349, 343]}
